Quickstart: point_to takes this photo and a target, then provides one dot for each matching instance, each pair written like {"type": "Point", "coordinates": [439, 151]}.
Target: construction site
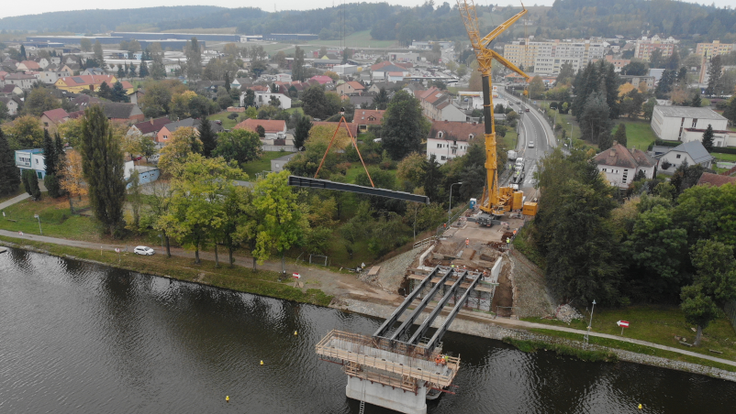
{"type": "Point", "coordinates": [465, 267]}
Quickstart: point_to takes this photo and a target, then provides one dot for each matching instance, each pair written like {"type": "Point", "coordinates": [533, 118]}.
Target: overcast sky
{"type": "Point", "coordinates": [19, 8]}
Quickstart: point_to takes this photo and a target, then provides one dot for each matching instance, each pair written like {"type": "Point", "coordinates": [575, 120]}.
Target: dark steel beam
{"type": "Point", "coordinates": [437, 309]}
{"type": "Point", "coordinates": [419, 309]}
{"type": "Point", "coordinates": [409, 299]}
{"type": "Point", "coordinates": [446, 325]}
{"type": "Point", "coordinates": [306, 182]}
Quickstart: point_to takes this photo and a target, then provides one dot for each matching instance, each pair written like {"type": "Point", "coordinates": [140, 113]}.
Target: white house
{"type": "Point", "coordinates": [11, 104]}
{"type": "Point", "coordinates": [283, 77]}
{"type": "Point", "coordinates": [621, 165]}
{"type": "Point", "coordinates": [692, 152]}
{"type": "Point", "coordinates": [263, 98]}
{"type": "Point", "coordinates": [31, 159]}
{"type": "Point", "coordinates": [721, 138]}
{"type": "Point", "coordinates": [448, 140]}
{"type": "Point", "coordinates": [669, 122]}
{"type": "Point", "coordinates": [345, 69]}
{"type": "Point", "coordinates": [20, 80]}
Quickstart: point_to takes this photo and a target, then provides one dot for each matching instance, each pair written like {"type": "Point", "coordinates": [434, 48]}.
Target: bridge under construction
{"type": "Point", "coordinates": [400, 367]}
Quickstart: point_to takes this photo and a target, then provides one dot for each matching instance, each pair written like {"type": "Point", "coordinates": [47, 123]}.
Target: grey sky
{"type": "Point", "coordinates": [16, 8]}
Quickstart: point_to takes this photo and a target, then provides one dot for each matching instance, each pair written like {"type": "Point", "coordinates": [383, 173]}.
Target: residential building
{"type": "Point", "coordinates": [367, 117]}
{"type": "Point", "coordinates": [275, 129]}
{"type": "Point", "coordinates": [618, 64]}
{"type": "Point", "coordinates": [692, 152]}
{"type": "Point", "coordinates": [10, 90]}
{"type": "Point", "coordinates": [80, 83]}
{"type": "Point", "coordinates": [716, 180]}
{"type": "Point", "coordinates": [20, 80]}
{"type": "Point", "coordinates": [31, 159]}
{"type": "Point", "coordinates": [714, 48]}
{"type": "Point", "coordinates": [645, 47]}
{"type": "Point", "coordinates": [621, 165]}
{"type": "Point", "coordinates": [350, 88]}
{"type": "Point", "coordinates": [53, 118]}
{"type": "Point", "coordinates": [264, 98]}
{"type": "Point", "coordinates": [721, 137]}
{"type": "Point", "coordinates": [448, 140]}
{"type": "Point", "coordinates": [437, 105]}
{"type": "Point", "coordinates": [164, 134]}
{"type": "Point", "coordinates": [149, 128]}
{"type": "Point", "coordinates": [11, 104]}
{"type": "Point", "coordinates": [27, 65]}
{"type": "Point", "coordinates": [122, 111]}
{"type": "Point", "coordinates": [669, 122]}
{"type": "Point", "coordinates": [547, 57]}
{"type": "Point", "coordinates": [322, 79]}
{"type": "Point", "coordinates": [638, 81]}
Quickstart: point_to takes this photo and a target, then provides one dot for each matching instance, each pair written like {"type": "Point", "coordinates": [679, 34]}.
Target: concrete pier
{"type": "Point", "coordinates": [387, 396]}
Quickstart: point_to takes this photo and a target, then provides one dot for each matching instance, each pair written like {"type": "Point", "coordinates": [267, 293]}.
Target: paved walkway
{"type": "Point", "coordinates": [16, 199]}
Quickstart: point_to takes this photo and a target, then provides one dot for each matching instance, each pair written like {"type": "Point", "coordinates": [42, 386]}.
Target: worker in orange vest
{"type": "Point", "coordinates": [467, 242]}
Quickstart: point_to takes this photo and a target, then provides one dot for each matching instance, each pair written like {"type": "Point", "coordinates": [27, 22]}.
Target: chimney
{"type": "Point", "coordinates": [151, 120]}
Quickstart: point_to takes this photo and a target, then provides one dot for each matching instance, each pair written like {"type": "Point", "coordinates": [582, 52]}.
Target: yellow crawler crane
{"type": "Point", "coordinates": [496, 201]}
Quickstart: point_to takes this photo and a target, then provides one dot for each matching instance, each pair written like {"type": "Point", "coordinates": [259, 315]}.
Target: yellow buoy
{"type": "Point", "coordinates": [261, 362]}
{"type": "Point", "coordinates": [227, 398]}
{"type": "Point", "coordinates": [295, 333]}
{"type": "Point", "coordinates": [640, 407]}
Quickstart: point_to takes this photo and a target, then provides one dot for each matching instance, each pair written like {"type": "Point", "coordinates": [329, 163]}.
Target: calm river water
{"type": "Point", "coordinates": [82, 338]}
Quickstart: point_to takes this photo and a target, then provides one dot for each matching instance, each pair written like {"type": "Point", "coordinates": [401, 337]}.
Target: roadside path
{"type": "Point", "coordinates": [16, 199]}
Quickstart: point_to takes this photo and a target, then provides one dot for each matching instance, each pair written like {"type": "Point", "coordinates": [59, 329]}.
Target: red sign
{"type": "Point", "coordinates": [623, 324]}
{"type": "Point", "coordinates": [296, 275]}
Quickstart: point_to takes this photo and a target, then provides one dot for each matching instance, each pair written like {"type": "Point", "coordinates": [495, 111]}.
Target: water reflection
{"type": "Point", "coordinates": [78, 337]}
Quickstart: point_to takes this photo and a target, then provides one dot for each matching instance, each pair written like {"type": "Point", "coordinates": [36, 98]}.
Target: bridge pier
{"type": "Point", "coordinates": [387, 396]}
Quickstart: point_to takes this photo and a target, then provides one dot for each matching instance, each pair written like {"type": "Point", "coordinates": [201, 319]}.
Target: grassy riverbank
{"type": "Point", "coordinates": [582, 354]}
{"type": "Point", "coordinates": [261, 282]}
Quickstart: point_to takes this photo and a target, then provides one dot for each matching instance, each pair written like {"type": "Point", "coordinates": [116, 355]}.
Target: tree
{"type": "Point", "coordinates": [249, 99]}
{"type": "Point", "coordinates": [714, 74]}
{"type": "Point", "coordinates": [536, 88]}
{"type": "Point", "coordinates": [30, 183]}
{"type": "Point", "coordinates": [4, 112]}
{"type": "Point", "coordinates": [97, 49]}
{"type": "Point", "coordinates": [380, 101]}
{"type": "Point", "coordinates": [635, 68]}
{"type": "Point", "coordinates": [103, 167]}
{"type": "Point", "coordinates": [708, 138]}
{"type": "Point", "coordinates": [714, 284]}
{"type": "Point", "coordinates": [156, 100]}
{"type": "Point", "coordinates": [156, 53]}
{"type": "Point", "coordinates": [655, 58]}
{"type": "Point", "coordinates": [620, 134]}
{"type": "Point", "coordinates": [281, 220]}
{"type": "Point", "coordinates": [85, 44]}
{"type": "Point", "coordinates": [26, 132]}
{"type": "Point", "coordinates": [648, 108]}
{"type": "Point", "coordinates": [72, 181]}
{"type": "Point", "coordinates": [566, 75]}
{"type": "Point", "coordinates": [207, 136]}
{"type": "Point", "coordinates": [595, 125]}
{"type": "Point", "coordinates": [118, 93]}
{"type": "Point", "coordinates": [297, 68]}
{"type": "Point", "coordinates": [238, 145]}
{"type": "Point", "coordinates": [9, 177]}
{"type": "Point", "coordinates": [316, 103]}
{"type": "Point", "coordinates": [39, 101]}
{"type": "Point", "coordinates": [105, 92]}
{"type": "Point", "coordinates": [730, 111]}
{"type": "Point", "coordinates": [143, 71]}
{"type": "Point", "coordinates": [403, 126]}
{"type": "Point", "coordinates": [302, 131]}
{"type": "Point", "coordinates": [412, 169]}
{"type": "Point", "coordinates": [49, 153]}
{"type": "Point", "coordinates": [181, 144]}
{"type": "Point", "coordinates": [194, 59]}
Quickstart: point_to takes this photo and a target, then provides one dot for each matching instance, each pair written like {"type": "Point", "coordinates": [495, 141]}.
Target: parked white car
{"type": "Point", "coordinates": [144, 251]}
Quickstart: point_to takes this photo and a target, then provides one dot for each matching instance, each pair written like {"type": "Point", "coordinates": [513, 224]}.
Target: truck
{"type": "Point", "coordinates": [513, 155]}
{"type": "Point", "coordinates": [520, 164]}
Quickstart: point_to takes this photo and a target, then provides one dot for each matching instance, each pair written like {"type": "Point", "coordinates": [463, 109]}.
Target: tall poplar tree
{"type": "Point", "coordinates": [194, 59]}
{"type": "Point", "coordinates": [103, 168]}
{"type": "Point", "coordinates": [9, 173]}
{"type": "Point", "coordinates": [207, 136]}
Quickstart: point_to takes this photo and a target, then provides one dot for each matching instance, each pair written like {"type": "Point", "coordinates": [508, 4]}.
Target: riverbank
{"type": "Point", "coordinates": [266, 283]}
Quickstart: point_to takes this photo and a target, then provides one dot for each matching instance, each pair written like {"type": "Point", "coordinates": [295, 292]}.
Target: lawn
{"type": "Point", "coordinates": [227, 123]}
{"type": "Point", "coordinates": [357, 39]}
{"type": "Point", "coordinates": [263, 164]}
{"type": "Point", "coordinates": [660, 325]}
{"type": "Point", "coordinates": [724, 157]}
{"type": "Point", "coordinates": [639, 134]}
{"type": "Point", "coordinates": [56, 219]}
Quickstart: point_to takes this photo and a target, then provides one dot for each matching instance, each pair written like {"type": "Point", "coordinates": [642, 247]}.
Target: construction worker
{"type": "Point", "coordinates": [508, 240]}
{"type": "Point", "coordinates": [467, 242]}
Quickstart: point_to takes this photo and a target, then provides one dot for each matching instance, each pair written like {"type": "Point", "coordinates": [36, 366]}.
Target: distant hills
{"type": "Point", "coordinates": [566, 19]}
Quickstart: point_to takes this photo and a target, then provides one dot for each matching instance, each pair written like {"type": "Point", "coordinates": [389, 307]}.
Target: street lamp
{"type": "Point", "coordinates": [590, 324]}
{"type": "Point", "coordinates": [449, 210]}
{"type": "Point", "coordinates": [39, 223]}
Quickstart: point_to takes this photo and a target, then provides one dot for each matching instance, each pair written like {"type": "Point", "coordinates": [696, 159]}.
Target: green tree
{"type": "Point", "coordinates": [381, 100]}
{"type": "Point", "coordinates": [635, 68]}
{"type": "Point", "coordinates": [182, 143]}
{"type": "Point", "coordinates": [730, 112]}
{"type": "Point", "coordinates": [135, 199]}
{"type": "Point", "coordinates": [696, 101]}
{"type": "Point", "coordinates": [595, 124]}
{"type": "Point", "coordinates": [156, 53]}
{"type": "Point", "coordinates": [39, 101]}
{"type": "Point", "coordinates": [30, 184]}
{"type": "Point", "coordinates": [412, 170]}
{"type": "Point", "coordinates": [238, 145]}
{"type": "Point", "coordinates": [143, 71]}
{"type": "Point", "coordinates": [85, 44]}
{"type": "Point", "coordinates": [4, 112]}
{"type": "Point", "coordinates": [103, 167]}
{"type": "Point", "coordinates": [708, 138]}
{"type": "Point", "coordinates": [281, 220]}
{"type": "Point", "coordinates": [105, 92]}
{"type": "Point", "coordinates": [536, 88]}
{"type": "Point", "coordinates": [207, 136]}
{"type": "Point", "coordinates": [620, 134]}
{"type": "Point", "coordinates": [249, 99]}
{"type": "Point", "coordinates": [713, 286]}
{"type": "Point", "coordinates": [194, 59]}
{"type": "Point", "coordinates": [403, 126]}
{"type": "Point", "coordinates": [297, 68]}
{"type": "Point", "coordinates": [156, 100]}
{"type": "Point", "coordinates": [118, 93]}
{"type": "Point", "coordinates": [9, 176]}
{"type": "Point", "coordinates": [648, 108]}
{"type": "Point", "coordinates": [97, 49]}
{"type": "Point", "coordinates": [714, 74]}
{"type": "Point", "coordinates": [302, 131]}
{"type": "Point", "coordinates": [26, 132]}
{"type": "Point", "coordinates": [566, 75]}
{"type": "Point", "coordinates": [238, 218]}
{"type": "Point", "coordinates": [49, 153]}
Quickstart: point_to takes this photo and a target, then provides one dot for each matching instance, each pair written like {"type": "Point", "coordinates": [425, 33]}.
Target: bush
{"type": "Point", "coordinates": [52, 184]}
{"type": "Point", "coordinates": [232, 115]}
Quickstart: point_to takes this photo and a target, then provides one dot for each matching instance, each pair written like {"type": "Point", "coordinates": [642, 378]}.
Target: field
{"type": "Point", "coordinates": [56, 220]}
{"type": "Point", "coordinates": [264, 164]}
{"type": "Point", "coordinates": [356, 40]}
{"type": "Point", "coordinates": [227, 123]}
{"type": "Point", "coordinates": [639, 134]}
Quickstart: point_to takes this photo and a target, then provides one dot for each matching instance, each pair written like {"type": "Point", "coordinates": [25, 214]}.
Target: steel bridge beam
{"type": "Point", "coordinates": [446, 325]}
{"type": "Point", "coordinates": [306, 182]}
{"type": "Point", "coordinates": [418, 311]}
{"type": "Point", "coordinates": [400, 310]}
{"type": "Point", "coordinates": [437, 309]}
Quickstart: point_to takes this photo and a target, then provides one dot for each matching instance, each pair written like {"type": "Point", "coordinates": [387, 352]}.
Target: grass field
{"type": "Point", "coordinates": [356, 40]}
{"type": "Point", "coordinates": [56, 219]}
{"type": "Point", "coordinates": [227, 123]}
{"type": "Point", "coordinates": [639, 134]}
{"type": "Point", "coordinates": [660, 325]}
{"type": "Point", "coordinates": [263, 164]}
{"type": "Point", "coordinates": [724, 157]}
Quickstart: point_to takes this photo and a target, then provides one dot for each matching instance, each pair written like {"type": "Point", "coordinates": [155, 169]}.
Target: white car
{"type": "Point", "coordinates": [144, 251]}
{"type": "Point", "coordinates": [531, 144]}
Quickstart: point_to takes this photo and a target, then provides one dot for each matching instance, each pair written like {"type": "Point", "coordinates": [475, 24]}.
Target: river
{"type": "Point", "coordinates": [83, 338]}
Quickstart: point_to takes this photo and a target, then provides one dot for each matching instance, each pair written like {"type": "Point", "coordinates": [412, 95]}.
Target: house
{"type": "Point", "coordinates": [122, 111]}
{"type": "Point", "coordinates": [350, 88]}
{"type": "Point", "coordinates": [721, 137]}
{"type": "Point", "coordinates": [716, 180]}
{"type": "Point", "coordinates": [621, 165]}
{"type": "Point", "coordinates": [53, 118]}
{"type": "Point", "coordinates": [264, 98]}
{"type": "Point", "coordinates": [366, 117]}
{"type": "Point", "coordinates": [283, 77]}
{"type": "Point", "coordinates": [639, 82]}
{"type": "Point", "coordinates": [11, 104]}
{"type": "Point", "coordinates": [437, 105]}
{"type": "Point", "coordinates": [692, 152]}
{"type": "Point", "coordinates": [27, 65]}
{"type": "Point", "coordinates": [163, 135]}
{"type": "Point", "coordinates": [321, 79]}
{"type": "Point", "coordinates": [31, 159]}
{"type": "Point", "coordinates": [79, 83]}
{"type": "Point", "coordinates": [238, 83]}
{"type": "Point", "coordinates": [449, 139]}
{"type": "Point", "coordinates": [275, 129]}
{"type": "Point", "coordinates": [148, 128]}
{"type": "Point", "coordinates": [669, 122]}
{"type": "Point", "coordinates": [376, 87]}
{"type": "Point", "coordinates": [20, 80]}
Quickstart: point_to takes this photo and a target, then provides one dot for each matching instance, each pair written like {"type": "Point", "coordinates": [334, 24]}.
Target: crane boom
{"type": "Point", "coordinates": [492, 202]}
